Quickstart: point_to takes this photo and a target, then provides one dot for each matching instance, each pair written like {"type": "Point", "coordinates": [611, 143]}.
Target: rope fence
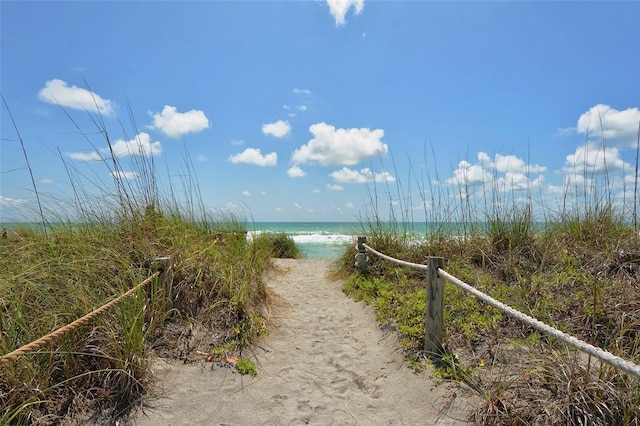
{"type": "Point", "coordinates": [434, 283]}
{"type": "Point", "coordinates": [163, 269]}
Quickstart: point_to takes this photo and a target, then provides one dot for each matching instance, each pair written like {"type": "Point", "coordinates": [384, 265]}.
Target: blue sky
{"type": "Point", "coordinates": [295, 110]}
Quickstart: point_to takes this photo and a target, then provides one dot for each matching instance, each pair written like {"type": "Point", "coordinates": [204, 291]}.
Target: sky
{"type": "Point", "coordinates": [301, 110]}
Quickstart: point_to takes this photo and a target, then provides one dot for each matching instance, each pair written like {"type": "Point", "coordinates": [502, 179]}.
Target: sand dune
{"type": "Point", "coordinates": [327, 362]}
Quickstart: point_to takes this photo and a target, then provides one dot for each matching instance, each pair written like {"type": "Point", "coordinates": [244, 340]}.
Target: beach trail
{"type": "Point", "coordinates": [325, 361]}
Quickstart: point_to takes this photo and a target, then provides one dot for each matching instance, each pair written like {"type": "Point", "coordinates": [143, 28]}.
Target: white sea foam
{"type": "Point", "coordinates": [311, 237]}
{"type": "Point", "coordinates": [316, 238]}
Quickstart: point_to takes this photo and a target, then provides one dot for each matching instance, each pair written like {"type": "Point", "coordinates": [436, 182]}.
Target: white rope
{"type": "Point", "coordinates": [394, 260]}
{"type": "Point", "coordinates": [602, 355]}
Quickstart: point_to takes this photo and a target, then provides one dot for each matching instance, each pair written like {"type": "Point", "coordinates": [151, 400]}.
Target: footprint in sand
{"type": "Point", "coordinates": [326, 362]}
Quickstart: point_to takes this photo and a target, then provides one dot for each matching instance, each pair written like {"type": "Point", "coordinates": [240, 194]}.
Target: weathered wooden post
{"type": "Point", "coordinates": [435, 297]}
{"type": "Point", "coordinates": [362, 260]}
{"type": "Point", "coordinates": [161, 287]}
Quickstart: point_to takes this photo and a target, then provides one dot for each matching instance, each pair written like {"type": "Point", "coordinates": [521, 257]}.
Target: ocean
{"type": "Point", "coordinates": [326, 240]}
{"type": "Point", "coordinates": [319, 240]}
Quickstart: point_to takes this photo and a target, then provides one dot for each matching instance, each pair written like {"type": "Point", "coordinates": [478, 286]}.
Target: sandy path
{"type": "Point", "coordinates": [326, 363]}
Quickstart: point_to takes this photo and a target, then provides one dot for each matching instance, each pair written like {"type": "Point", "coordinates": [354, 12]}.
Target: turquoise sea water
{"type": "Point", "coordinates": [329, 239]}
{"type": "Point", "coordinates": [316, 239]}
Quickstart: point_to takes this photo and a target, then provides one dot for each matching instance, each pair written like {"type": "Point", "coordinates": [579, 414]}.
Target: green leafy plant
{"type": "Point", "coordinates": [246, 367]}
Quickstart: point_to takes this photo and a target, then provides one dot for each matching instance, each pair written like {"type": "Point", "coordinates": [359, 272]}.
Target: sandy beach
{"type": "Point", "coordinates": [325, 361]}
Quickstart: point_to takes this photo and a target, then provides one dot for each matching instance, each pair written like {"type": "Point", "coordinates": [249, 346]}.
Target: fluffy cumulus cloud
{"type": "Point", "coordinates": [509, 164]}
{"type": "Point", "coordinates": [333, 187]}
{"type": "Point", "coordinates": [176, 124]}
{"type": "Point", "coordinates": [58, 92]}
{"type": "Point", "coordinates": [295, 172]}
{"type": "Point", "coordinates": [593, 157]}
{"type": "Point", "coordinates": [502, 172]}
{"type": "Point", "coordinates": [343, 147]}
{"type": "Point", "coordinates": [347, 175]}
{"type": "Point", "coordinates": [278, 129]}
{"type": "Point", "coordinates": [141, 146]}
{"type": "Point", "coordinates": [602, 120]}
{"type": "Point", "coordinates": [255, 157]}
{"type": "Point", "coordinates": [339, 9]}
{"type": "Point", "coordinates": [468, 174]}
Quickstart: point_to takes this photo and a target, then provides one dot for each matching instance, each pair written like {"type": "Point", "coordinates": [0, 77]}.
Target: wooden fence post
{"type": "Point", "coordinates": [161, 287]}
{"type": "Point", "coordinates": [435, 297]}
{"type": "Point", "coordinates": [362, 264]}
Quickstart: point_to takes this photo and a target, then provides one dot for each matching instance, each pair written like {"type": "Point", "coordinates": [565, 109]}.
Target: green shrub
{"type": "Point", "coordinates": [278, 245]}
{"type": "Point", "coordinates": [246, 367]}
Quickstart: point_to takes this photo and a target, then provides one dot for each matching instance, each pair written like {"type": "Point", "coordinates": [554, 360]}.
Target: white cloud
{"type": "Point", "coordinates": [121, 174]}
{"type": "Point", "coordinates": [468, 174]}
{"type": "Point", "coordinates": [301, 107]}
{"type": "Point", "coordinates": [175, 124]}
{"type": "Point", "coordinates": [331, 146]}
{"type": "Point", "coordinates": [614, 124]}
{"type": "Point", "coordinates": [502, 173]}
{"type": "Point", "coordinates": [339, 8]}
{"type": "Point", "coordinates": [295, 172]}
{"type": "Point", "coordinates": [518, 182]}
{"type": "Point", "coordinates": [230, 206]}
{"type": "Point", "coordinates": [317, 191]}
{"type": "Point", "coordinates": [11, 202]}
{"type": "Point", "coordinates": [140, 145]}
{"type": "Point", "coordinates": [254, 156]}
{"type": "Point", "coordinates": [306, 92]}
{"type": "Point", "coordinates": [333, 187]}
{"type": "Point", "coordinates": [246, 193]}
{"type": "Point", "coordinates": [279, 209]}
{"type": "Point", "coordinates": [46, 181]}
{"type": "Point", "coordinates": [347, 175]}
{"type": "Point", "coordinates": [278, 129]}
{"type": "Point", "coordinates": [349, 205]}
{"type": "Point", "coordinates": [85, 156]}
{"type": "Point", "coordinates": [201, 158]}
{"type": "Point", "coordinates": [57, 92]}
{"type": "Point", "coordinates": [509, 164]}
{"type": "Point", "coordinates": [592, 158]}
{"type": "Point", "coordinates": [237, 142]}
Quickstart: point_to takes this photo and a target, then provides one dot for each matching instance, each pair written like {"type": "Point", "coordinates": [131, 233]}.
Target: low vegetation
{"type": "Point", "coordinates": [279, 245]}
{"type": "Point", "coordinates": [50, 281]}
{"type": "Point", "coordinates": [578, 274]}
{"type": "Point", "coordinates": [79, 253]}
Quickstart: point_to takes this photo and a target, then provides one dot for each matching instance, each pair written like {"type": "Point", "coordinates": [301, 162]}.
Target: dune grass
{"type": "Point", "coordinates": [577, 270]}
{"type": "Point", "coordinates": [87, 249]}
{"type": "Point", "coordinates": [279, 244]}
